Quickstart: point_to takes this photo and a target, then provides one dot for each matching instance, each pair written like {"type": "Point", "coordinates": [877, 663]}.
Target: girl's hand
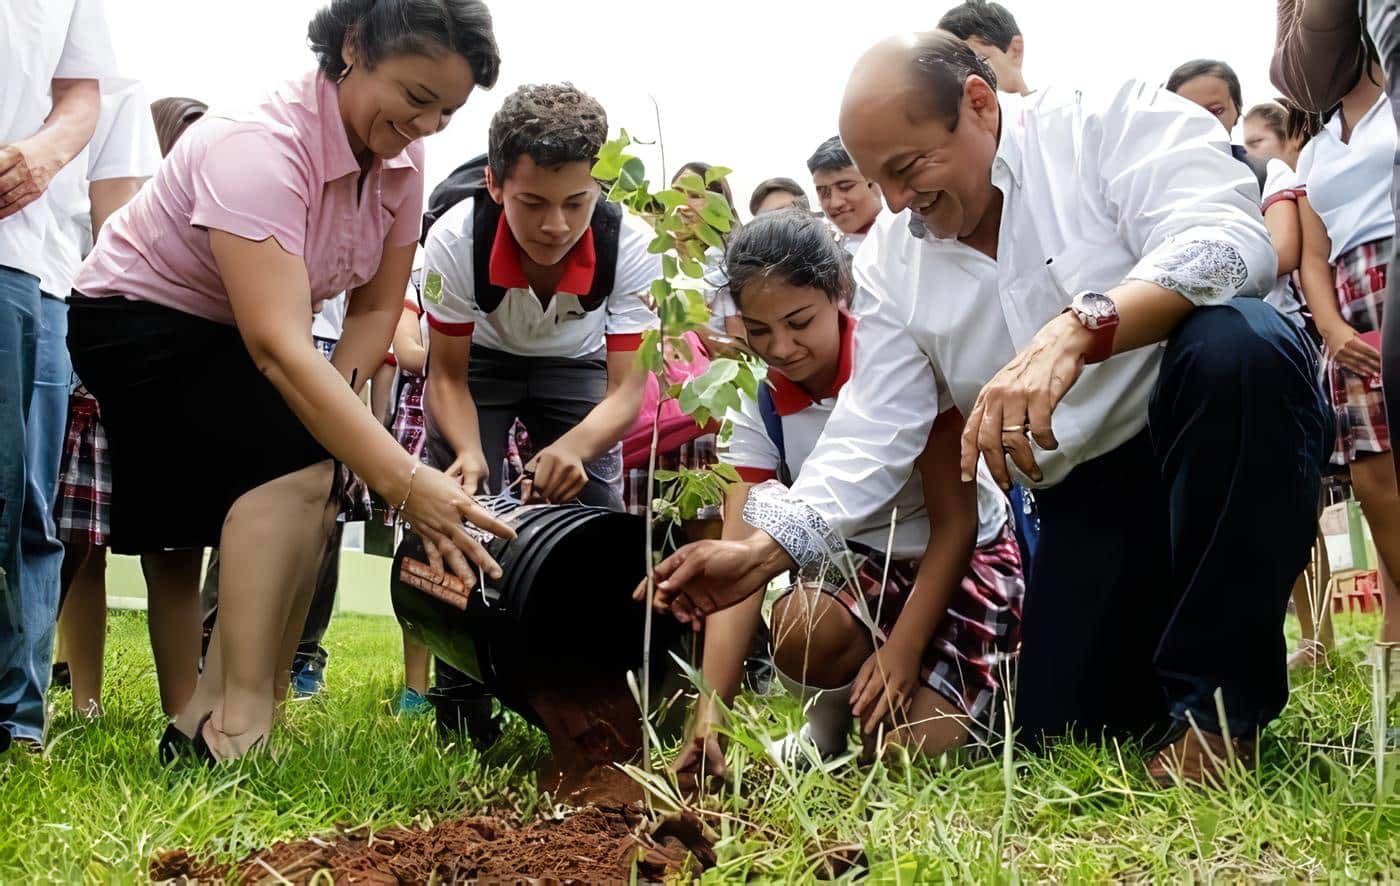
{"type": "Point", "coordinates": [470, 470]}
{"type": "Point", "coordinates": [1350, 351]}
{"type": "Point", "coordinates": [452, 525]}
{"type": "Point", "coordinates": [885, 684]}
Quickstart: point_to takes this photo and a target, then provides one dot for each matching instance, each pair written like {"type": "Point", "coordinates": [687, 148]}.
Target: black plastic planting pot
{"type": "Point", "coordinates": [561, 615]}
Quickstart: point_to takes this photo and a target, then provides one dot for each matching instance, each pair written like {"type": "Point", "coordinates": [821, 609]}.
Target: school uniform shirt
{"type": "Point", "coordinates": [755, 456]}
{"type": "Point", "coordinates": [123, 146]}
{"type": "Point", "coordinates": [1283, 185]}
{"type": "Point", "coordinates": [715, 286]}
{"type": "Point", "coordinates": [328, 324]}
{"type": "Point", "coordinates": [283, 169]}
{"type": "Point", "coordinates": [851, 242]}
{"type": "Point", "coordinates": [1135, 185]}
{"type": "Point", "coordinates": [40, 41]}
{"type": "Point", "coordinates": [522, 324]}
{"type": "Point", "coordinates": [1348, 183]}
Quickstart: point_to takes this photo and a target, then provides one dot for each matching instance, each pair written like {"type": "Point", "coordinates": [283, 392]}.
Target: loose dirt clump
{"type": "Point", "coordinates": [593, 844]}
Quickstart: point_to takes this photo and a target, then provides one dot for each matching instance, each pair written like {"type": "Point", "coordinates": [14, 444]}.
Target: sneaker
{"type": "Point", "coordinates": [411, 704]}
{"type": "Point", "coordinates": [308, 678]}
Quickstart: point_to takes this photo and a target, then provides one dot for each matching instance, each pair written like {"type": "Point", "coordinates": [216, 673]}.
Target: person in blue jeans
{"type": "Point", "coordinates": [52, 55]}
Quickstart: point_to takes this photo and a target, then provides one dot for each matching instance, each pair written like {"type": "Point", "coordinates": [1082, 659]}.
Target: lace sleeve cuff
{"type": "Point", "coordinates": [795, 525]}
{"type": "Point", "coordinates": [1206, 272]}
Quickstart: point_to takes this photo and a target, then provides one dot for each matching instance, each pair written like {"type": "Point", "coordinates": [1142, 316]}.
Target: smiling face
{"type": "Point", "coordinates": [548, 208]}
{"type": "Point", "coordinates": [1213, 94]}
{"type": "Point", "coordinates": [402, 99]}
{"type": "Point", "coordinates": [895, 141]}
{"type": "Point", "coordinates": [848, 199]}
{"type": "Point", "coordinates": [795, 329]}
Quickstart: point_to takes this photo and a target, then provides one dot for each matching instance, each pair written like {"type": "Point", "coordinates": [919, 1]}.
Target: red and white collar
{"type": "Point", "coordinates": [790, 398]}
{"type": "Point", "coordinates": [506, 268]}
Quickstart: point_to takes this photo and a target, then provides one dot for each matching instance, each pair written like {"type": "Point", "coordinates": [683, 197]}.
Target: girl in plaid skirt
{"type": "Point", "coordinates": [1348, 229]}
{"type": "Point", "coordinates": [912, 627]}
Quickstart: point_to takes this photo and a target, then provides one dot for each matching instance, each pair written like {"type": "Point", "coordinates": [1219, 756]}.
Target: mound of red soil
{"type": "Point", "coordinates": [589, 845]}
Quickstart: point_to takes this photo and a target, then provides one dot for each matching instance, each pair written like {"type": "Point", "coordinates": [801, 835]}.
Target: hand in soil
{"type": "Point", "coordinates": [701, 760]}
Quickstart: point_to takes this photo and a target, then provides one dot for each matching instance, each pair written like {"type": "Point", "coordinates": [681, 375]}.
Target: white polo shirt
{"type": "Point", "coordinates": [40, 41]}
{"type": "Point", "coordinates": [754, 454]}
{"type": "Point", "coordinates": [1135, 184]}
{"type": "Point", "coordinates": [1349, 182]}
{"type": "Point", "coordinates": [521, 324]}
{"type": "Point", "coordinates": [1283, 185]}
{"type": "Point", "coordinates": [124, 145]}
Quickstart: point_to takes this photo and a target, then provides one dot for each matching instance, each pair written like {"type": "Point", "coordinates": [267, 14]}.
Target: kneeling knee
{"type": "Point", "coordinates": [816, 641]}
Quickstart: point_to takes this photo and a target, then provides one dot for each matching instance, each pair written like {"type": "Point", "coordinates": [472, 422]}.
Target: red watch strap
{"type": "Point", "coordinates": [1102, 347]}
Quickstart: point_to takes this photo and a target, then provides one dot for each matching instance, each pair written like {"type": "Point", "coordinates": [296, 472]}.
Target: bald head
{"type": "Point", "coordinates": [926, 72]}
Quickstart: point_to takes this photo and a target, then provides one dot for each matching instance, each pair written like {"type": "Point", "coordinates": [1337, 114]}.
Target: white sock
{"type": "Point", "coordinates": [828, 713]}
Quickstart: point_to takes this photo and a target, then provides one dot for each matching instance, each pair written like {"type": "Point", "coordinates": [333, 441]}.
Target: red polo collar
{"type": "Point", "coordinates": [507, 271]}
{"type": "Point", "coordinates": [790, 398]}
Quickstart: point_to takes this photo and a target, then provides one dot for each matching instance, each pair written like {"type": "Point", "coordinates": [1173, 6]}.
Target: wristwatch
{"type": "Point", "coordinates": [1097, 313]}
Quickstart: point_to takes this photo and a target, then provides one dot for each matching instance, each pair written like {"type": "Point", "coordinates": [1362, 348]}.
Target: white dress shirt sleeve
{"type": "Point", "coordinates": [1182, 201]}
{"type": "Point", "coordinates": [87, 49]}
{"type": "Point", "coordinates": [880, 425]}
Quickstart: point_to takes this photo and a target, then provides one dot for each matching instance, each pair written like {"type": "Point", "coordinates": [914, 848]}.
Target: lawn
{"type": "Point", "coordinates": [98, 807]}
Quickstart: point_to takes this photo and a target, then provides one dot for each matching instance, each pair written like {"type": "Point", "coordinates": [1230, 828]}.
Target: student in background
{"type": "Point", "coordinates": [777, 193]}
{"type": "Point", "coordinates": [123, 154]}
{"type": "Point", "coordinates": [992, 33]}
{"type": "Point", "coordinates": [1215, 86]}
{"type": "Point", "coordinates": [1348, 227]}
{"type": "Point", "coordinates": [849, 200]}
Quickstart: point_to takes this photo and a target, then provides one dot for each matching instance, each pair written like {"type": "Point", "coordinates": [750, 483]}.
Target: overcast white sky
{"type": "Point", "coordinates": [750, 84]}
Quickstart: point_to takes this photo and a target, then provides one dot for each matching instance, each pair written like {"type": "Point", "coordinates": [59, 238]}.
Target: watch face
{"type": "Point", "coordinates": [1094, 309]}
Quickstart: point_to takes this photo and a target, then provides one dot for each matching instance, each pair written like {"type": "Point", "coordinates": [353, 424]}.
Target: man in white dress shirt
{"type": "Point", "coordinates": [1082, 262]}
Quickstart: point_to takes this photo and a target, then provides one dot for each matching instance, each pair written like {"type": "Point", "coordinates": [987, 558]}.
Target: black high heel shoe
{"type": "Point", "coordinates": [176, 745]}
{"type": "Point", "coordinates": [201, 747]}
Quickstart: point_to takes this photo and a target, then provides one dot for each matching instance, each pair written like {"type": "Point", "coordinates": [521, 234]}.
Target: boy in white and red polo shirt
{"type": "Point", "coordinates": [534, 292]}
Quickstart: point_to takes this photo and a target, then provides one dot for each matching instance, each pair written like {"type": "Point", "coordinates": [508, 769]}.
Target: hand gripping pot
{"type": "Point", "coordinates": [560, 616]}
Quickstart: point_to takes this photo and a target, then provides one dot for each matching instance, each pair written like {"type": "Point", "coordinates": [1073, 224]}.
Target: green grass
{"type": "Point", "coordinates": [97, 807]}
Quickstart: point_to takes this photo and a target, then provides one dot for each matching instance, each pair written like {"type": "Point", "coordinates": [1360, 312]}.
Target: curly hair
{"type": "Point", "coordinates": [380, 28]}
{"type": "Point", "coordinates": [551, 123]}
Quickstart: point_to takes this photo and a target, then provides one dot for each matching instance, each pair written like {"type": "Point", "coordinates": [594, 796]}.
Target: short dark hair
{"type": "Point", "coordinates": [981, 19]}
{"type": "Point", "coordinates": [551, 123]}
{"type": "Point", "coordinates": [830, 155]}
{"type": "Point", "coordinates": [941, 64]}
{"type": "Point", "coordinates": [1208, 67]}
{"type": "Point", "coordinates": [783, 184]}
{"type": "Point", "coordinates": [793, 246]}
{"type": "Point", "coordinates": [381, 28]}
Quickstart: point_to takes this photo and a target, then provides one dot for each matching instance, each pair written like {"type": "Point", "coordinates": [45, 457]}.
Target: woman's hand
{"type": "Point", "coordinates": [1350, 351]}
{"type": "Point", "coordinates": [438, 510]}
{"type": "Point", "coordinates": [886, 683]}
{"type": "Point", "coordinates": [470, 470]}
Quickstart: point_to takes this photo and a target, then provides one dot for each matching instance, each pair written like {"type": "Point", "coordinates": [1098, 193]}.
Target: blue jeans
{"type": "Point", "coordinates": [37, 371]}
{"type": "Point", "coordinates": [19, 335]}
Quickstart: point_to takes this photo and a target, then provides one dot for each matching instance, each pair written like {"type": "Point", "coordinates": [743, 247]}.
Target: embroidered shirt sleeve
{"type": "Point", "coordinates": [1201, 270]}
{"type": "Point", "coordinates": [796, 526]}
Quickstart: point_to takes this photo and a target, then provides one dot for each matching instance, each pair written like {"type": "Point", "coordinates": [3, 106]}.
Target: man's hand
{"type": "Point", "coordinates": [703, 578]}
{"type": "Point", "coordinates": [556, 475]}
{"type": "Point", "coordinates": [470, 470]}
{"type": "Point", "coordinates": [26, 171]}
{"type": "Point", "coordinates": [886, 683]}
{"type": "Point", "coordinates": [1022, 397]}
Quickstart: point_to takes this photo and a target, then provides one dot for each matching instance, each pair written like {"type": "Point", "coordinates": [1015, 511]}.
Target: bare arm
{"type": "Point", "coordinates": [271, 299]}
{"type": "Point", "coordinates": [1315, 269]}
{"type": "Point", "coordinates": [371, 314]}
{"type": "Point", "coordinates": [109, 195]}
{"type": "Point", "coordinates": [28, 166]}
{"type": "Point", "coordinates": [408, 344]}
{"type": "Point", "coordinates": [1284, 230]}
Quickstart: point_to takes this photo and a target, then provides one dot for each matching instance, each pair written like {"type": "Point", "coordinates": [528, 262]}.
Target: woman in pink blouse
{"type": "Point", "coordinates": [190, 323]}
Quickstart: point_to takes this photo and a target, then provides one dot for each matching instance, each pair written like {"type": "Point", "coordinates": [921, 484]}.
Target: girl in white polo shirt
{"type": "Point", "coordinates": [1348, 225]}
{"type": "Point", "coordinates": [919, 653]}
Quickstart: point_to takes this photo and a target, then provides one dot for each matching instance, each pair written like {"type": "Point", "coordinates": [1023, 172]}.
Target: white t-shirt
{"type": "Point", "coordinates": [1283, 184]}
{"type": "Point", "coordinates": [123, 146]}
{"type": "Point", "coordinates": [851, 242]}
{"type": "Point", "coordinates": [329, 323]}
{"type": "Point", "coordinates": [521, 324]}
{"type": "Point", "coordinates": [40, 41]}
{"type": "Point", "coordinates": [1348, 184]}
{"type": "Point", "coordinates": [755, 456]}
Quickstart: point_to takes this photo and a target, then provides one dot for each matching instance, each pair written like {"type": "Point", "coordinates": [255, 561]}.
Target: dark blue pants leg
{"type": "Point", "coordinates": [1163, 568]}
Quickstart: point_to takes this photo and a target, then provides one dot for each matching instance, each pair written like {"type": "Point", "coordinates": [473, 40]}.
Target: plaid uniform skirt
{"type": "Point", "coordinates": [971, 657]}
{"type": "Point", "coordinates": [84, 475]}
{"type": "Point", "coordinates": [1360, 276]}
{"type": "Point", "coordinates": [407, 426]}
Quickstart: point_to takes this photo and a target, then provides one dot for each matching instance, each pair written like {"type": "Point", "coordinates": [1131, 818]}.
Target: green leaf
{"type": "Point", "coordinates": [692, 268]}
{"type": "Point", "coordinates": [670, 198]}
{"type": "Point", "coordinates": [716, 173]}
{"type": "Point", "coordinates": [633, 174]}
{"type": "Point", "coordinates": [665, 476]}
{"type": "Point", "coordinates": [726, 472]}
{"type": "Point", "coordinates": [691, 182]}
{"type": "Point", "coordinates": [748, 379]}
{"type": "Point", "coordinates": [662, 243]}
{"type": "Point", "coordinates": [609, 162]}
{"type": "Point", "coordinates": [669, 266]}
{"type": "Point", "coordinates": [660, 290]}
{"type": "Point", "coordinates": [709, 235]}
{"type": "Point", "coordinates": [716, 212]}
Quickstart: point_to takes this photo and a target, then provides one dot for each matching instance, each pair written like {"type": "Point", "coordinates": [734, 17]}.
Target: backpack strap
{"type": "Point", "coordinates": [607, 233]}
{"type": "Point", "coordinates": [773, 424]}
